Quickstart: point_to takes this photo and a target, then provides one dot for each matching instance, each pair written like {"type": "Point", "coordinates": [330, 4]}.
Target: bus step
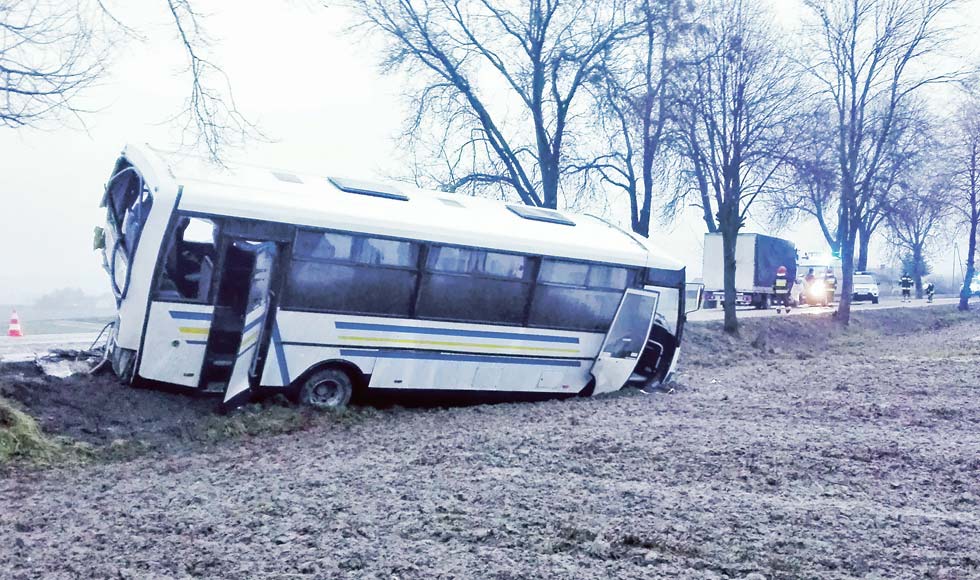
{"type": "Point", "coordinates": [215, 387]}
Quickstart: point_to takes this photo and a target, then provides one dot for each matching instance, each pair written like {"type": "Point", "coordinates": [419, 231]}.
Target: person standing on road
{"type": "Point", "coordinates": [808, 281]}
{"type": "Point", "coordinates": [780, 290]}
{"type": "Point", "coordinates": [830, 284]}
{"type": "Point", "coordinates": [906, 284]}
{"type": "Point", "coordinates": [930, 290]}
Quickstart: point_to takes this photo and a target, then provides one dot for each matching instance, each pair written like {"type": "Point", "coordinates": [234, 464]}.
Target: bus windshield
{"type": "Point", "coordinates": [128, 201]}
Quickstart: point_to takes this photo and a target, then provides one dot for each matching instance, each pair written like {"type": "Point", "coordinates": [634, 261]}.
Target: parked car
{"type": "Point", "coordinates": [865, 287]}
{"type": "Point", "coordinates": [975, 287]}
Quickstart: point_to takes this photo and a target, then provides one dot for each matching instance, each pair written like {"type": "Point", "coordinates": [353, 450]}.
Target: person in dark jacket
{"type": "Point", "coordinates": [906, 284]}
{"type": "Point", "coordinates": [830, 283]}
{"type": "Point", "coordinates": [780, 290]}
{"type": "Point", "coordinates": [930, 291]}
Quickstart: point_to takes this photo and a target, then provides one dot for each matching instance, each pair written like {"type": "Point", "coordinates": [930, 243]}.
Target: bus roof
{"type": "Point", "coordinates": [319, 202]}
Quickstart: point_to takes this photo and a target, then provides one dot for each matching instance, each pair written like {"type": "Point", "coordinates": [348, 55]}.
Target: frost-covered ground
{"type": "Point", "coordinates": [791, 453]}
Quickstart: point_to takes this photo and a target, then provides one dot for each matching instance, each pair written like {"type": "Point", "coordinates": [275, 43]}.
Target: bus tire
{"type": "Point", "coordinates": [327, 389]}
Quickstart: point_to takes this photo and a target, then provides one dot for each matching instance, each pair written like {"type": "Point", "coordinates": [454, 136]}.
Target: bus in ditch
{"type": "Point", "coordinates": [244, 280]}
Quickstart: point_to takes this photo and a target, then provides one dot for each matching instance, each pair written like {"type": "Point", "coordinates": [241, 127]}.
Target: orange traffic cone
{"type": "Point", "coordinates": [14, 329]}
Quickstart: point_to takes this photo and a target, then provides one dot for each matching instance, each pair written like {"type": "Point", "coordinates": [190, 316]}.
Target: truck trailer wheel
{"type": "Point", "coordinates": [327, 389]}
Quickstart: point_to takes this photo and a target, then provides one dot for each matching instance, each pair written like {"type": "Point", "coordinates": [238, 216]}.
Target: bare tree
{"type": "Point", "coordinates": [868, 63]}
{"type": "Point", "coordinates": [633, 99]}
{"type": "Point", "coordinates": [965, 159]}
{"type": "Point", "coordinates": [51, 52]}
{"type": "Point", "coordinates": [48, 55]}
{"type": "Point", "coordinates": [211, 117]}
{"type": "Point", "coordinates": [514, 71]}
{"type": "Point", "coordinates": [914, 216]}
{"type": "Point", "coordinates": [814, 178]}
{"type": "Point", "coordinates": [734, 121]}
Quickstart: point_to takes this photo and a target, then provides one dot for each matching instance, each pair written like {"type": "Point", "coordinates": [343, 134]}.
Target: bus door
{"type": "Point", "coordinates": [255, 312]}
{"type": "Point", "coordinates": [625, 340]}
{"type": "Point", "coordinates": [241, 312]}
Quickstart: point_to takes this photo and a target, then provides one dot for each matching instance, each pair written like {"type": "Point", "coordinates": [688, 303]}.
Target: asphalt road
{"type": "Point", "coordinates": [885, 302]}
{"type": "Point", "coordinates": [26, 347]}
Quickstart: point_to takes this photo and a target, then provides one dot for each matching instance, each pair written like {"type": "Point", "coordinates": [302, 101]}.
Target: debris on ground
{"type": "Point", "coordinates": [63, 363]}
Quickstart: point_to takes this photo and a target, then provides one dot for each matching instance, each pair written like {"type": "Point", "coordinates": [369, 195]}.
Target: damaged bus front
{"type": "Point", "coordinates": [244, 280]}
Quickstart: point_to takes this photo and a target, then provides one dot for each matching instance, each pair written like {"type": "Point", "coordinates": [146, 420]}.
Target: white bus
{"type": "Point", "coordinates": [243, 280]}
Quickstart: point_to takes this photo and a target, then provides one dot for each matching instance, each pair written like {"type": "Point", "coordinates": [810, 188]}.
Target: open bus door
{"type": "Point", "coordinates": [254, 334]}
{"type": "Point", "coordinates": [625, 340]}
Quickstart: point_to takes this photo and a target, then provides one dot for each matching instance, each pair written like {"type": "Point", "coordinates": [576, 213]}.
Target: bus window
{"type": "Point", "coordinates": [474, 285]}
{"type": "Point", "coordinates": [188, 268]}
{"type": "Point", "coordinates": [356, 274]}
{"type": "Point", "coordinates": [573, 308]}
{"type": "Point", "coordinates": [628, 335]}
{"type": "Point", "coordinates": [577, 295]}
{"type": "Point", "coordinates": [473, 261]}
{"type": "Point", "coordinates": [360, 249]}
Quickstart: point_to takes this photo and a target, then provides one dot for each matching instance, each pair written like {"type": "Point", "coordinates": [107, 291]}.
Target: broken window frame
{"type": "Point", "coordinates": [117, 214]}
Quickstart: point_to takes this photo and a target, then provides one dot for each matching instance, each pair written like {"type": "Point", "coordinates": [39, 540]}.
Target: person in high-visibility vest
{"type": "Point", "coordinates": [906, 284]}
{"type": "Point", "coordinates": [830, 283]}
{"type": "Point", "coordinates": [780, 290]}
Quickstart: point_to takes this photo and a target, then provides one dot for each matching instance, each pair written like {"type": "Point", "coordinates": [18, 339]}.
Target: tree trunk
{"type": "Point", "coordinates": [549, 181]}
{"type": "Point", "coordinates": [970, 267]}
{"type": "Point", "coordinates": [918, 267]}
{"type": "Point", "coordinates": [729, 237]}
{"type": "Point", "coordinates": [864, 241]}
{"type": "Point", "coordinates": [847, 278]}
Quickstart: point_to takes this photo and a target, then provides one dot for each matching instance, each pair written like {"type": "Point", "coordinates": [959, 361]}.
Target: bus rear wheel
{"type": "Point", "coordinates": [326, 389]}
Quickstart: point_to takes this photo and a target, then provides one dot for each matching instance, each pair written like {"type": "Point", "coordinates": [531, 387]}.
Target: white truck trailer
{"type": "Point", "coordinates": [757, 257]}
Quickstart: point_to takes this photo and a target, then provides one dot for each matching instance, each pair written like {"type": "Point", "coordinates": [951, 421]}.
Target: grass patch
{"type": "Point", "coordinates": [274, 417]}
{"type": "Point", "coordinates": [21, 439]}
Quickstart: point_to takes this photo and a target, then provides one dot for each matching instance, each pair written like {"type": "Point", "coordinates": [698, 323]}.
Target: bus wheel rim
{"type": "Point", "coordinates": [327, 393]}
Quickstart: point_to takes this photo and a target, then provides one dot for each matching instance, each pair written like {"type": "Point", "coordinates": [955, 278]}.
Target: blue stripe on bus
{"type": "Point", "coordinates": [280, 353]}
{"type": "Point", "coordinates": [252, 324]}
{"type": "Point", "coordinates": [196, 341]}
{"type": "Point", "coordinates": [455, 332]}
{"type": "Point", "coordinates": [250, 347]}
{"type": "Point", "coordinates": [185, 315]}
{"type": "Point", "coordinates": [428, 355]}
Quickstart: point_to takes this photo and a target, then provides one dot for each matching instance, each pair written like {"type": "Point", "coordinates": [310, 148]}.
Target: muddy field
{"type": "Point", "coordinates": [793, 452]}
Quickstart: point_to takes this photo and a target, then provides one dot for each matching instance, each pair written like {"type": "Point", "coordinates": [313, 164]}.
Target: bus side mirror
{"type": "Point", "coordinates": [693, 295]}
{"type": "Point", "coordinates": [98, 242]}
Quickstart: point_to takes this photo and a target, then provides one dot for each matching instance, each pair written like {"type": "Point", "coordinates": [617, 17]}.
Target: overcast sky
{"type": "Point", "coordinates": [316, 91]}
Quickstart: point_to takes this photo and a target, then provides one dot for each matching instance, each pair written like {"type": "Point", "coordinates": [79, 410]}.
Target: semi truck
{"type": "Point", "coordinates": [757, 257]}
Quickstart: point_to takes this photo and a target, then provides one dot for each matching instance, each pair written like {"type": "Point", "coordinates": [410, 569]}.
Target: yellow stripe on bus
{"type": "Point", "coordinates": [193, 330]}
{"type": "Point", "coordinates": [466, 344]}
{"type": "Point", "coordinates": [247, 342]}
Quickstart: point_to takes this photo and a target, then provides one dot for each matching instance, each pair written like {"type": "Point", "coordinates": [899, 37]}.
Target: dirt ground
{"type": "Point", "coordinates": [793, 452]}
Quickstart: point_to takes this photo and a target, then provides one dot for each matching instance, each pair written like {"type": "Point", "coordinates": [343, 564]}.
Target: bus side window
{"type": "Point", "coordinates": [188, 267]}
{"type": "Point", "coordinates": [474, 285]}
{"type": "Point", "coordinates": [336, 272]}
{"type": "Point", "coordinates": [578, 295]}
